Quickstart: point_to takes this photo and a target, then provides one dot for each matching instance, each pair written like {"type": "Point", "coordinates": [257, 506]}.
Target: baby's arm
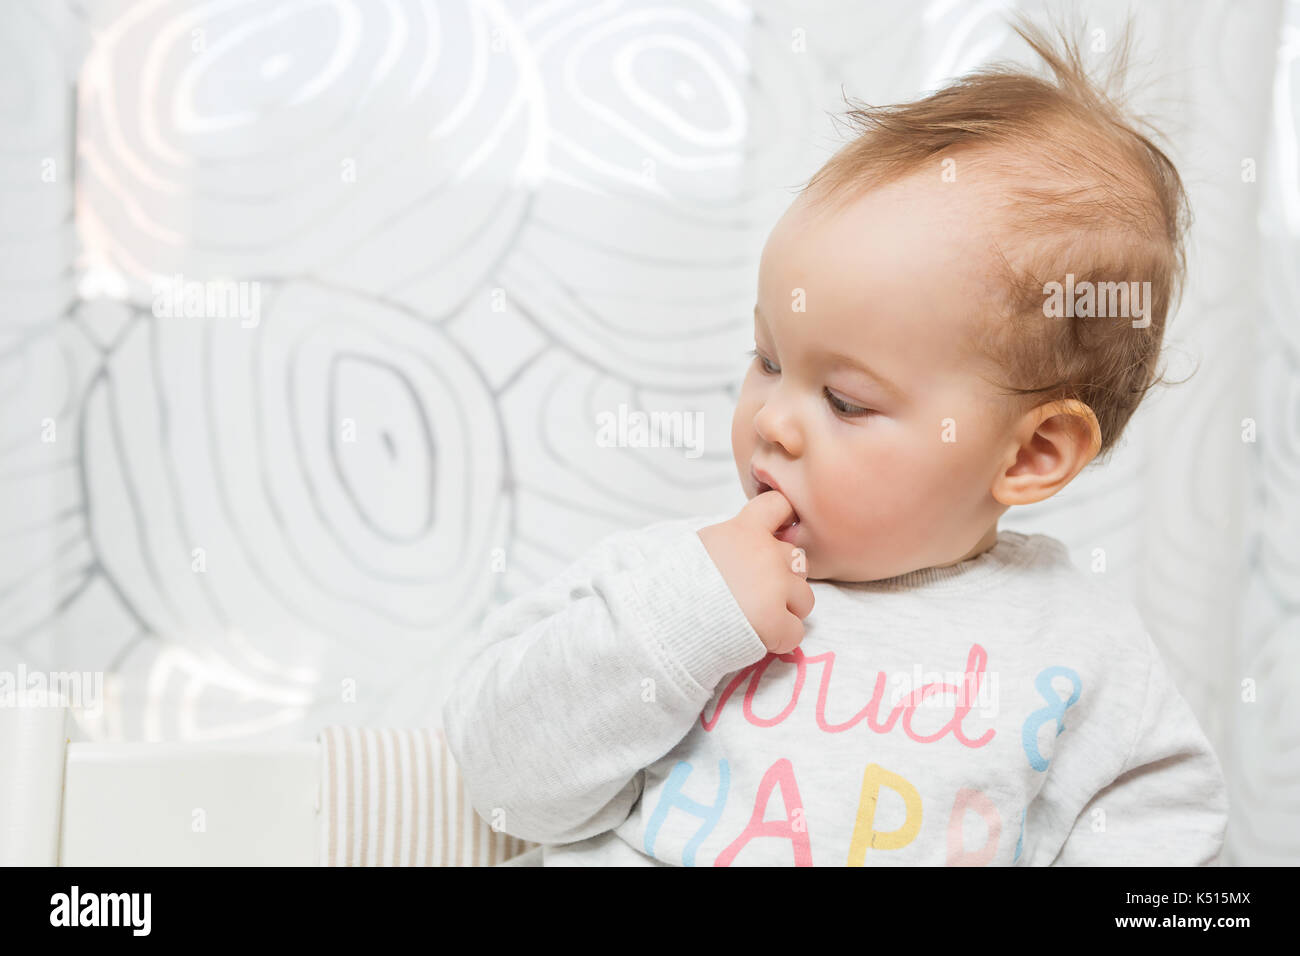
{"type": "Point", "coordinates": [1168, 806]}
{"type": "Point", "coordinates": [578, 686]}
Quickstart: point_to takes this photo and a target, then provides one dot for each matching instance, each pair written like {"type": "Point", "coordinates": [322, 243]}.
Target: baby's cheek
{"type": "Point", "coordinates": [742, 433]}
{"type": "Point", "coordinates": [852, 513]}
{"type": "Point", "coordinates": [880, 505]}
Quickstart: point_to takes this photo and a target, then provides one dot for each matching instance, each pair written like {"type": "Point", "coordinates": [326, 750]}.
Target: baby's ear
{"type": "Point", "coordinates": [1050, 444]}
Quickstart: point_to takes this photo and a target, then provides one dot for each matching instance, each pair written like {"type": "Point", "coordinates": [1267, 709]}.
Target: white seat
{"type": "Point", "coordinates": [229, 803]}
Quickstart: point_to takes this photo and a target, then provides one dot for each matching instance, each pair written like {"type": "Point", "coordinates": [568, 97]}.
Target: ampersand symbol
{"type": "Point", "coordinates": [1055, 710]}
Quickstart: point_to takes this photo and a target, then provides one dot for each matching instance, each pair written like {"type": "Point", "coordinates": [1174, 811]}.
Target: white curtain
{"type": "Point", "coordinates": [462, 231]}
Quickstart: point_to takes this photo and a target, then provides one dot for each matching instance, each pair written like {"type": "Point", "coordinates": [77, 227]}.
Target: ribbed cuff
{"type": "Point", "coordinates": [688, 610]}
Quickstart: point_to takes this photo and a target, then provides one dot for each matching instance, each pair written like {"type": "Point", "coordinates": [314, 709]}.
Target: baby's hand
{"type": "Point", "coordinates": [759, 569]}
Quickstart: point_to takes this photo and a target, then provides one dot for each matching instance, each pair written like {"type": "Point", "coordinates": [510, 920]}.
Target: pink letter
{"type": "Point", "coordinates": [781, 772]}
{"type": "Point", "coordinates": [968, 799]}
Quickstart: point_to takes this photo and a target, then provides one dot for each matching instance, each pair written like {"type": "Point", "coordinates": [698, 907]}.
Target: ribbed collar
{"type": "Point", "coordinates": [1012, 549]}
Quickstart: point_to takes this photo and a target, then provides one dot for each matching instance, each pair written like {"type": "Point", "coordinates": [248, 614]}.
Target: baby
{"type": "Point", "coordinates": [959, 313]}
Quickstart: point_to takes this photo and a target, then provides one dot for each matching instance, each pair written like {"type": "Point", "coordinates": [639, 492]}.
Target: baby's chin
{"type": "Point", "coordinates": [818, 568]}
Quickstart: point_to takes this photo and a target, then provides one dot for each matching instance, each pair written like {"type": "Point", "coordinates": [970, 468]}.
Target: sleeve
{"type": "Point", "coordinates": [1168, 806]}
{"type": "Point", "coordinates": [577, 687]}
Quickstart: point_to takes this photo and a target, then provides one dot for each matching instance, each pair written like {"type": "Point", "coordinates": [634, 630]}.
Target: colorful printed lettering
{"type": "Point", "coordinates": [864, 832]}
{"type": "Point", "coordinates": [958, 855]}
{"type": "Point", "coordinates": [781, 772]}
{"type": "Point", "coordinates": [975, 663]}
{"type": "Point", "coordinates": [1055, 710]}
{"type": "Point", "coordinates": [671, 797]}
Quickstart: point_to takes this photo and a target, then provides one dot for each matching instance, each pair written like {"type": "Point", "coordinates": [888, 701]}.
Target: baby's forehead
{"type": "Point", "coordinates": [967, 211]}
{"type": "Point", "coordinates": [912, 238]}
{"type": "Point", "coordinates": [881, 281]}
{"type": "Point", "coordinates": [985, 192]}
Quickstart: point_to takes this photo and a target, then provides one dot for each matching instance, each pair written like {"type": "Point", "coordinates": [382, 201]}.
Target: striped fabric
{"type": "Point", "coordinates": [395, 798]}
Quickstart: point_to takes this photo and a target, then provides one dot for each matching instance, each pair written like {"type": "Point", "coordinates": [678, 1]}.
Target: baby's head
{"type": "Point", "coordinates": [917, 372]}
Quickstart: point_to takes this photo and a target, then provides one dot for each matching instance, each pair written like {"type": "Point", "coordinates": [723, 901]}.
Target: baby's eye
{"type": "Point", "coordinates": [763, 363]}
{"type": "Point", "coordinates": [844, 408]}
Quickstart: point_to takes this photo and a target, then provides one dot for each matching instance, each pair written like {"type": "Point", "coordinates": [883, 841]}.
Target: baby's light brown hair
{"type": "Point", "coordinates": [1084, 192]}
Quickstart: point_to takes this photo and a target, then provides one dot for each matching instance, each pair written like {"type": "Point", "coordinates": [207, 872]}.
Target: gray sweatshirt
{"type": "Point", "coordinates": [1002, 711]}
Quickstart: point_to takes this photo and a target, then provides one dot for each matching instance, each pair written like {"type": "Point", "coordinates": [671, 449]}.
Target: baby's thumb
{"type": "Point", "coordinates": [769, 510]}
